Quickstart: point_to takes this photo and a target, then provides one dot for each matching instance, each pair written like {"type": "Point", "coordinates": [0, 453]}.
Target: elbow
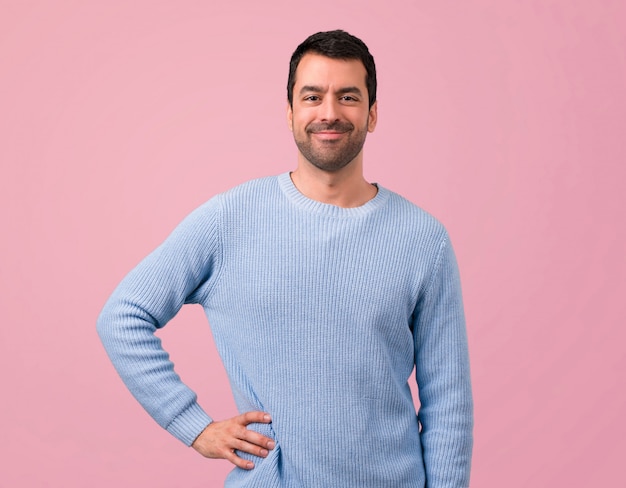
{"type": "Point", "coordinates": [106, 323]}
{"type": "Point", "coordinates": [103, 325]}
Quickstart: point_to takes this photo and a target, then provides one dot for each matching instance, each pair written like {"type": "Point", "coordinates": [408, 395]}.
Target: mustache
{"type": "Point", "coordinates": [338, 126]}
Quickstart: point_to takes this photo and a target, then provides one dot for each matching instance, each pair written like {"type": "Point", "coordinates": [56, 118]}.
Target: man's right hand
{"type": "Point", "coordinates": [220, 439]}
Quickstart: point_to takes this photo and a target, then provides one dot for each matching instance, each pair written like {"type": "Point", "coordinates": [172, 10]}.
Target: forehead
{"type": "Point", "coordinates": [318, 70]}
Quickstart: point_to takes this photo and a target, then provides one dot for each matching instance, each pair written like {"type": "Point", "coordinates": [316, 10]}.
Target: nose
{"type": "Point", "coordinates": [329, 110]}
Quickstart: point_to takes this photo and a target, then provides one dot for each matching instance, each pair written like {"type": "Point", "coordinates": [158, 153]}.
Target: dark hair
{"type": "Point", "coordinates": [336, 44]}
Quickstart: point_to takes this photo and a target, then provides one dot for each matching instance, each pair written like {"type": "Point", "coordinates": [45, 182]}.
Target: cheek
{"type": "Point", "coordinates": [300, 123]}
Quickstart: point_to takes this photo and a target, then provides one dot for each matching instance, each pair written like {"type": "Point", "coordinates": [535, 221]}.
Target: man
{"type": "Point", "coordinates": [323, 292]}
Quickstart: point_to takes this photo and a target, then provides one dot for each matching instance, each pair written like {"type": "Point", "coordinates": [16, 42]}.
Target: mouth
{"type": "Point", "coordinates": [328, 135]}
{"type": "Point", "coordinates": [329, 131]}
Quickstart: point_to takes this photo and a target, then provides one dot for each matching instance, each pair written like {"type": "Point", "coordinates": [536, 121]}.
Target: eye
{"type": "Point", "coordinates": [312, 98]}
{"type": "Point", "coordinates": [349, 98]}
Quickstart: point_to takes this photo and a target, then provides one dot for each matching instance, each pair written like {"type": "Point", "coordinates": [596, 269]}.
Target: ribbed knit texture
{"type": "Point", "coordinates": [319, 314]}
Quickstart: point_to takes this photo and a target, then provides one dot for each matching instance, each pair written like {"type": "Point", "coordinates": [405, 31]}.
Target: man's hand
{"type": "Point", "coordinates": [220, 439]}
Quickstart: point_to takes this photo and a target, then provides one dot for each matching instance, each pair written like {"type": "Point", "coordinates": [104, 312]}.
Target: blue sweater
{"type": "Point", "coordinates": [320, 314]}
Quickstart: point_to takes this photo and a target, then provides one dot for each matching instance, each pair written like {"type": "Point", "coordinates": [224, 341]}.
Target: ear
{"type": "Point", "coordinates": [289, 116]}
{"type": "Point", "coordinates": [372, 117]}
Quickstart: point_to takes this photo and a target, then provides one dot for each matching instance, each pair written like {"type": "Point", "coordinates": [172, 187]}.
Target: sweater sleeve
{"type": "Point", "coordinates": [178, 271]}
{"type": "Point", "coordinates": [443, 376]}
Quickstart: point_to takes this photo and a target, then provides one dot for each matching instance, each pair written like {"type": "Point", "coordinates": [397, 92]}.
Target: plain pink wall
{"type": "Point", "coordinates": [505, 119]}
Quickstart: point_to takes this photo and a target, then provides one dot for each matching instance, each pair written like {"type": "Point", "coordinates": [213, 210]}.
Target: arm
{"type": "Point", "coordinates": [179, 271]}
{"type": "Point", "coordinates": [443, 377]}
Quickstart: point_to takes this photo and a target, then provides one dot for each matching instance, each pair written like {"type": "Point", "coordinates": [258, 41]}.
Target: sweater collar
{"type": "Point", "coordinates": [308, 204]}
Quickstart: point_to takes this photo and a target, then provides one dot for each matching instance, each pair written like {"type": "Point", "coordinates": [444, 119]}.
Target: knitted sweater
{"type": "Point", "coordinates": [320, 313]}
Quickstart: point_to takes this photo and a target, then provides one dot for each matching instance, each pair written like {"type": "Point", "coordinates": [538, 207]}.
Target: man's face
{"type": "Point", "coordinates": [330, 117]}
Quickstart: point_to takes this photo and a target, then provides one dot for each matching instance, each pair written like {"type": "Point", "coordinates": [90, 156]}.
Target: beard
{"type": "Point", "coordinates": [331, 155]}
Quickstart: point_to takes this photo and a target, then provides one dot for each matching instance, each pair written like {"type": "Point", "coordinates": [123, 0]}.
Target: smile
{"type": "Point", "coordinates": [328, 135]}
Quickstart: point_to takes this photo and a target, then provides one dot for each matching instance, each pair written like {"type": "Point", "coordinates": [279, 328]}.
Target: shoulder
{"type": "Point", "coordinates": [255, 188]}
{"type": "Point", "coordinates": [407, 217]}
{"type": "Point", "coordinates": [427, 240]}
{"type": "Point", "coordinates": [244, 194]}
{"type": "Point", "coordinates": [245, 197]}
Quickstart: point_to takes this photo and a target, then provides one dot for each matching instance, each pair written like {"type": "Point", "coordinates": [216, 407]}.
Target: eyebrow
{"type": "Point", "coordinates": [341, 91]}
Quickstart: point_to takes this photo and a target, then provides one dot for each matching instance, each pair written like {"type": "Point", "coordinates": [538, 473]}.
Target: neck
{"type": "Point", "coordinates": [345, 188]}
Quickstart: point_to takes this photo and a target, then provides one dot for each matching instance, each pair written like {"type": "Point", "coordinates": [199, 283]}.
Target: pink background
{"type": "Point", "coordinates": [505, 119]}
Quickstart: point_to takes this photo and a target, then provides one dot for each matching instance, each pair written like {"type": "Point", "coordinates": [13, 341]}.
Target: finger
{"type": "Point", "coordinates": [250, 448]}
{"type": "Point", "coordinates": [258, 439]}
{"type": "Point", "coordinates": [255, 417]}
{"type": "Point", "coordinates": [237, 461]}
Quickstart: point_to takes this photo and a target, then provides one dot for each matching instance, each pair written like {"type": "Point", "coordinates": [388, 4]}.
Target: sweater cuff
{"type": "Point", "coordinates": [189, 424]}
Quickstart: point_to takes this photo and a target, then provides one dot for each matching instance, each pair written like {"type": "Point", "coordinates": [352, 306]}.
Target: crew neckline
{"type": "Point", "coordinates": [296, 197]}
